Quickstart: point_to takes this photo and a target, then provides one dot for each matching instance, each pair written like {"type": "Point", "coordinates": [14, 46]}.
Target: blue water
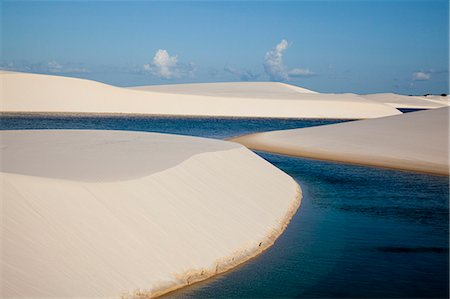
{"type": "Point", "coordinates": [360, 232]}
{"type": "Point", "coordinates": [409, 110]}
{"type": "Point", "coordinates": [205, 127]}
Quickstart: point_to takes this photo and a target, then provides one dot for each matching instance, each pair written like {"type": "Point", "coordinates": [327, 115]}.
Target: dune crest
{"type": "Point", "coordinates": [24, 92]}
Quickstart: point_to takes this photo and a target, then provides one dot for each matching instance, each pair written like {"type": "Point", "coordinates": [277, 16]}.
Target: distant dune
{"type": "Point", "coordinates": [105, 214]}
{"type": "Point", "coordinates": [261, 90]}
{"type": "Point", "coordinates": [414, 102]}
{"type": "Point", "coordinates": [415, 141]}
{"type": "Point", "coordinates": [23, 92]}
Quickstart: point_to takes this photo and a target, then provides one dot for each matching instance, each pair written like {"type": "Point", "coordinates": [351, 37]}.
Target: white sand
{"type": "Point", "coordinates": [414, 102]}
{"type": "Point", "coordinates": [258, 90]}
{"type": "Point", "coordinates": [22, 92]}
{"type": "Point", "coordinates": [442, 100]}
{"type": "Point", "coordinates": [278, 90]}
{"type": "Point", "coordinates": [415, 141]}
{"type": "Point", "coordinates": [101, 214]}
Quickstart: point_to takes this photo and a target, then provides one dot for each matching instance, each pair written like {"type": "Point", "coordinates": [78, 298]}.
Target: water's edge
{"type": "Point", "coordinates": [384, 231]}
{"type": "Point", "coordinates": [228, 263]}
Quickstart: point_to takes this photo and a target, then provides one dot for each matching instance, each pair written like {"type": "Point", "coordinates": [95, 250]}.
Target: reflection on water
{"type": "Point", "coordinates": [360, 231]}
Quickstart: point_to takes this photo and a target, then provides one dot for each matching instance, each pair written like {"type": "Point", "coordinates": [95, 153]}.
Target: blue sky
{"type": "Point", "coordinates": [328, 46]}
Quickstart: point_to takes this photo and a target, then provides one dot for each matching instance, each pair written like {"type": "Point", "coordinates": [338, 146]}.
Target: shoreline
{"type": "Point", "coordinates": [415, 141]}
{"type": "Point", "coordinates": [146, 115]}
{"type": "Point", "coordinates": [228, 263]}
{"type": "Point", "coordinates": [278, 150]}
{"type": "Point", "coordinates": [341, 161]}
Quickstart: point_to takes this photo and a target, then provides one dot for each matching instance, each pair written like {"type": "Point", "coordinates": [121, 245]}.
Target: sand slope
{"type": "Point", "coordinates": [415, 141]}
{"type": "Point", "coordinates": [104, 214]}
{"type": "Point", "coordinates": [442, 100]}
{"type": "Point", "coordinates": [270, 90]}
{"type": "Point", "coordinates": [414, 102]}
{"type": "Point", "coordinates": [278, 90]}
{"type": "Point", "coordinates": [22, 92]}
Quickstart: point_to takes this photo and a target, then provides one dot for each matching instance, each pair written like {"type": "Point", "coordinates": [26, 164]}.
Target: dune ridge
{"type": "Point", "coordinates": [138, 235]}
{"type": "Point", "coordinates": [413, 102]}
{"type": "Point", "coordinates": [417, 141]}
{"type": "Point", "coordinates": [24, 92]}
{"type": "Point", "coordinates": [225, 89]}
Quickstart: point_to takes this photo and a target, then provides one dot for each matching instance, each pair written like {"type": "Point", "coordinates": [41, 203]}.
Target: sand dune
{"type": "Point", "coordinates": [402, 101]}
{"type": "Point", "coordinates": [270, 90]}
{"type": "Point", "coordinates": [278, 90]}
{"type": "Point", "coordinates": [416, 141]}
{"type": "Point", "coordinates": [443, 100]}
{"type": "Point", "coordinates": [22, 92]}
{"type": "Point", "coordinates": [176, 210]}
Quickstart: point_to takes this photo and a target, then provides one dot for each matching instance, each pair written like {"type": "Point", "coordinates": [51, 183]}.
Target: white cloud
{"type": "Point", "coordinates": [298, 72]}
{"type": "Point", "coordinates": [167, 67]}
{"type": "Point", "coordinates": [273, 62]}
{"type": "Point", "coordinates": [421, 76]}
{"type": "Point", "coordinates": [244, 75]}
{"type": "Point", "coordinates": [14, 66]}
{"type": "Point", "coordinates": [44, 67]}
{"type": "Point", "coordinates": [55, 67]}
{"type": "Point", "coordinates": [163, 64]}
{"type": "Point", "coordinates": [275, 68]}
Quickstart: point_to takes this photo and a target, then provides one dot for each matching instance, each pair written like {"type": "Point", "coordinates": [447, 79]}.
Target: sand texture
{"type": "Point", "coordinates": [417, 141]}
{"type": "Point", "coordinates": [23, 92]}
{"type": "Point", "coordinates": [109, 214]}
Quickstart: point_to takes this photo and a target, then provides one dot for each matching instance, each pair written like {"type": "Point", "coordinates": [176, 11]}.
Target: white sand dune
{"type": "Point", "coordinates": [23, 92]}
{"type": "Point", "coordinates": [278, 90]}
{"type": "Point", "coordinates": [414, 102]}
{"type": "Point", "coordinates": [417, 141]}
{"type": "Point", "coordinates": [104, 214]}
{"type": "Point", "coordinates": [259, 90]}
{"type": "Point", "coordinates": [442, 100]}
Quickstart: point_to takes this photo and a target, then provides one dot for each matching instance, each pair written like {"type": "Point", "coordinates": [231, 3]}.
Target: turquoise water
{"type": "Point", "coordinates": [360, 232]}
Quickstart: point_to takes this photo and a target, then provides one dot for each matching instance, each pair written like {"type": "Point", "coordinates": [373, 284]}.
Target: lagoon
{"type": "Point", "coordinates": [360, 231]}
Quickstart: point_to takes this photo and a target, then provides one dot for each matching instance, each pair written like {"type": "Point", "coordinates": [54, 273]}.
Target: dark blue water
{"type": "Point", "coordinates": [205, 127]}
{"type": "Point", "coordinates": [360, 232]}
{"type": "Point", "coordinates": [408, 110]}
